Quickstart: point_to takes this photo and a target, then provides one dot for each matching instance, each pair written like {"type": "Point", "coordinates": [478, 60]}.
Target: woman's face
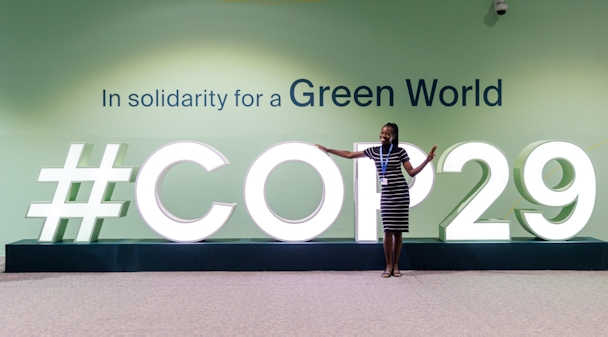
{"type": "Point", "coordinates": [386, 135]}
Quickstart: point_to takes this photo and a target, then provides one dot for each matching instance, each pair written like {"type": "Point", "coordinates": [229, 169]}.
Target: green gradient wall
{"type": "Point", "coordinates": [58, 56]}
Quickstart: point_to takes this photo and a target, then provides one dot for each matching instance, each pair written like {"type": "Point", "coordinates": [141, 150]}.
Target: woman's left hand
{"type": "Point", "coordinates": [431, 154]}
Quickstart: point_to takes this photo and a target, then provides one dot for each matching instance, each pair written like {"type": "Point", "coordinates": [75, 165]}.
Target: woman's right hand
{"type": "Point", "coordinates": [322, 148]}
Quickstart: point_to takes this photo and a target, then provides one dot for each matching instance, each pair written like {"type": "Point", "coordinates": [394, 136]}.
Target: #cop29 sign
{"type": "Point", "coordinates": [575, 193]}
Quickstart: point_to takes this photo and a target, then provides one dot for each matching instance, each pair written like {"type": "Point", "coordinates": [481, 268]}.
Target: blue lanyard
{"type": "Point", "coordinates": [382, 162]}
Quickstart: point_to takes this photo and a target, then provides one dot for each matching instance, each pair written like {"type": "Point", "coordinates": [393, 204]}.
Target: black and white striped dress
{"type": "Point", "coordinates": [395, 197]}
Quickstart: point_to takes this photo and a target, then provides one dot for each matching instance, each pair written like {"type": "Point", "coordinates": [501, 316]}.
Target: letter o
{"type": "Point", "coordinates": [310, 226]}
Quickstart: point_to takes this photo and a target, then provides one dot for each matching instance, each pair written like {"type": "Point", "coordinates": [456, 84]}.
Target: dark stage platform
{"type": "Point", "coordinates": [334, 254]}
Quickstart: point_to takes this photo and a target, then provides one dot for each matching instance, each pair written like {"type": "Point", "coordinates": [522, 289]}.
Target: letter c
{"type": "Point", "coordinates": [148, 192]}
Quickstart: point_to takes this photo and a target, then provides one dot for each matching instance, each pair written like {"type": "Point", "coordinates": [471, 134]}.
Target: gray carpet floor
{"type": "Point", "coordinates": [244, 303]}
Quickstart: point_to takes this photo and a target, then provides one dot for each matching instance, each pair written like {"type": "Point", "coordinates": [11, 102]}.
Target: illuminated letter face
{"type": "Point", "coordinates": [68, 178]}
{"type": "Point", "coordinates": [575, 193]}
{"type": "Point", "coordinates": [367, 198]}
{"type": "Point", "coordinates": [462, 223]}
{"type": "Point", "coordinates": [294, 230]}
{"type": "Point", "coordinates": [148, 192]}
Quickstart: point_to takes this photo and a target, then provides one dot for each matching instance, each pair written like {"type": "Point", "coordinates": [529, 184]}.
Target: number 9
{"type": "Point", "coordinates": [575, 192]}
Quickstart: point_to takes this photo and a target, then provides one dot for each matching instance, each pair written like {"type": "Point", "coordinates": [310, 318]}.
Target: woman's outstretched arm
{"type": "Point", "coordinates": [342, 153]}
{"type": "Point", "coordinates": [414, 171]}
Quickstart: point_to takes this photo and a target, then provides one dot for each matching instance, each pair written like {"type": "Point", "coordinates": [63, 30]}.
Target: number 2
{"type": "Point", "coordinates": [462, 223]}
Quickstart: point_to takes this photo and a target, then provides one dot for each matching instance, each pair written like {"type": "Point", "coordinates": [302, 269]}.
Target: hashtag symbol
{"type": "Point", "coordinates": [64, 205]}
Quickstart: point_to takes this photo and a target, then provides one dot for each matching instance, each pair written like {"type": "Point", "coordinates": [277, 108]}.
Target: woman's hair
{"type": "Point", "coordinates": [395, 133]}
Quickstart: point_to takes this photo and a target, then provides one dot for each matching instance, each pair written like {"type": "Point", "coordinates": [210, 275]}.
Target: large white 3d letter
{"type": "Point", "coordinates": [148, 192]}
{"type": "Point", "coordinates": [367, 198]}
{"type": "Point", "coordinates": [575, 193]}
{"type": "Point", "coordinates": [294, 230]}
{"type": "Point", "coordinates": [64, 205]}
{"type": "Point", "coordinates": [462, 223]}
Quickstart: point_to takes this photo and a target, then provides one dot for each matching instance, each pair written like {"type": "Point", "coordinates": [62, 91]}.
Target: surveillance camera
{"type": "Point", "coordinates": [500, 7]}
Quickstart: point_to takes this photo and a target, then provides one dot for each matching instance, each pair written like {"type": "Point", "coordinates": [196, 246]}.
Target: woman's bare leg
{"type": "Point", "coordinates": [388, 253]}
{"type": "Point", "coordinates": [398, 236]}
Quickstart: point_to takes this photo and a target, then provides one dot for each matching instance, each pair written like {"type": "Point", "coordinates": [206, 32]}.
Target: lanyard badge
{"type": "Point", "coordinates": [384, 164]}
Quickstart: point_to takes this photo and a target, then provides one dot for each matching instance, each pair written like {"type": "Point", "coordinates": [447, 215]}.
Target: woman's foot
{"type": "Point", "coordinates": [397, 273]}
{"type": "Point", "coordinates": [386, 273]}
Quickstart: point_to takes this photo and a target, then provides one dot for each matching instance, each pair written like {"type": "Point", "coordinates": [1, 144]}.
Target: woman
{"type": "Point", "coordinates": [395, 196]}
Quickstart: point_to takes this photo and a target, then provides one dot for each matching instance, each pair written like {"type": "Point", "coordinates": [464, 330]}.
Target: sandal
{"type": "Point", "coordinates": [397, 273]}
{"type": "Point", "coordinates": [386, 273]}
